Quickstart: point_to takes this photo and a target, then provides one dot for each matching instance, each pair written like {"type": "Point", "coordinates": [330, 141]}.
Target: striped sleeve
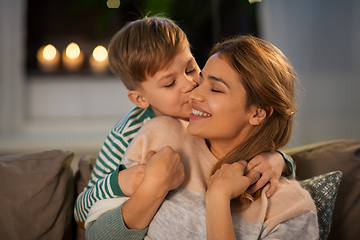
{"type": "Point", "coordinates": [103, 181]}
{"type": "Point", "coordinates": [290, 162]}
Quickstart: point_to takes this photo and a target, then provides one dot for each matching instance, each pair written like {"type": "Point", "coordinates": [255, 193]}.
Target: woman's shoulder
{"type": "Point", "coordinates": [294, 193]}
{"type": "Point", "coordinates": [165, 123]}
{"type": "Point", "coordinates": [290, 200]}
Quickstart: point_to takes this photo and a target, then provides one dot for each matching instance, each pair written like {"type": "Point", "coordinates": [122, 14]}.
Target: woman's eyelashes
{"type": "Point", "coordinates": [216, 87]}
{"type": "Point", "coordinates": [215, 90]}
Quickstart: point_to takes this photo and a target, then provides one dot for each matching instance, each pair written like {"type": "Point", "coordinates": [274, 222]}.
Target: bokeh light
{"type": "Point", "coordinates": [49, 52]}
{"type": "Point", "coordinates": [72, 50]}
{"type": "Point", "coordinates": [113, 3]}
{"type": "Point", "coordinates": [100, 53]}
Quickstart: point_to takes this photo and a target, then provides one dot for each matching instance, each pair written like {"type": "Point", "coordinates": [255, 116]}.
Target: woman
{"type": "Point", "coordinates": [244, 106]}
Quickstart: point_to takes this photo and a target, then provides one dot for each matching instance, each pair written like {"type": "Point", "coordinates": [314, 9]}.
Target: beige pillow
{"type": "Point", "coordinates": [37, 195]}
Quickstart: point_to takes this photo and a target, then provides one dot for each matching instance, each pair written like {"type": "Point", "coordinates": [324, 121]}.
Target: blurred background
{"type": "Point", "coordinates": [56, 91]}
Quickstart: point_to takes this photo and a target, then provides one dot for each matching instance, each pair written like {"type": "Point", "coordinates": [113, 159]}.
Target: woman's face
{"type": "Point", "coordinates": [219, 113]}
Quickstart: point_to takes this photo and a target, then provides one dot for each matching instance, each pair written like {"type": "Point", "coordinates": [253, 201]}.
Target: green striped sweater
{"type": "Point", "coordinates": [103, 181]}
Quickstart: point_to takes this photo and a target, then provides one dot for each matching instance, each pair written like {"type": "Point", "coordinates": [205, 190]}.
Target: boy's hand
{"type": "Point", "coordinates": [130, 178]}
{"type": "Point", "coordinates": [270, 166]}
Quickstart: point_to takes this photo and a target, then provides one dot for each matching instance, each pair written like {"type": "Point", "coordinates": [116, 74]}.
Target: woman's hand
{"type": "Point", "coordinates": [226, 183]}
{"type": "Point", "coordinates": [130, 178]}
{"type": "Point", "coordinates": [270, 166]}
{"type": "Point", "coordinates": [163, 172]}
{"type": "Point", "coordinates": [229, 181]}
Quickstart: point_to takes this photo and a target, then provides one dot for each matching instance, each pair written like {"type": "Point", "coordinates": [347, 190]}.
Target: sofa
{"type": "Point", "coordinates": [38, 190]}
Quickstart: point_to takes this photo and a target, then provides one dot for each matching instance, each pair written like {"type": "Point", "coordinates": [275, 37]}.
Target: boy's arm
{"type": "Point", "coordinates": [109, 159]}
{"type": "Point", "coordinates": [106, 187]}
{"type": "Point", "coordinates": [103, 181]}
{"type": "Point", "coordinates": [271, 166]}
{"type": "Point", "coordinates": [289, 170]}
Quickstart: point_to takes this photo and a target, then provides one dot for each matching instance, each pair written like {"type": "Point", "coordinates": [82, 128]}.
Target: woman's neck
{"type": "Point", "coordinates": [218, 149]}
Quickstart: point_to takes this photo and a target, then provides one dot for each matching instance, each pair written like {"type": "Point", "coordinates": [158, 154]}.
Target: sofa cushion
{"type": "Point", "coordinates": [85, 166]}
{"type": "Point", "coordinates": [323, 189]}
{"type": "Point", "coordinates": [82, 177]}
{"type": "Point", "coordinates": [37, 195]}
{"type": "Point", "coordinates": [340, 155]}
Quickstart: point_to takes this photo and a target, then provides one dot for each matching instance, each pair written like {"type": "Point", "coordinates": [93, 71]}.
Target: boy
{"type": "Point", "coordinates": [152, 57]}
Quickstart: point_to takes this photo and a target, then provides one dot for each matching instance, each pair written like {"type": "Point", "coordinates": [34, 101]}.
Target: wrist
{"type": "Point", "coordinates": [216, 197]}
{"type": "Point", "coordinates": [156, 190]}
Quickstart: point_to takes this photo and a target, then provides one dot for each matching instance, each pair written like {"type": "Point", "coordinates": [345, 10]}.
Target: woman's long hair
{"type": "Point", "coordinates": [269, 81]}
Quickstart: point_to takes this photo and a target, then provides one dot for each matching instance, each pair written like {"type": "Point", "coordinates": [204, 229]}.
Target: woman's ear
{"type": "Point", "coordinates": [259, 114]}
{"type": "Point", "coordinates": [137, 98]}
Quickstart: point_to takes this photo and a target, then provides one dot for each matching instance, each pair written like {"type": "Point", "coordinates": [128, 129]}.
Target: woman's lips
{"type": "Point", "coordinates": [198, 113]}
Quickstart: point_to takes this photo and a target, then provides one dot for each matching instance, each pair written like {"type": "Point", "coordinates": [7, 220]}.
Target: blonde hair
{"type": "Point", "coordinates": [143, 47]}
{"type": "Point", "coordinates": [269, 81]}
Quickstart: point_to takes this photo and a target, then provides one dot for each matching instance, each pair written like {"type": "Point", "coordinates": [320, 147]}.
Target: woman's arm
{"type": "Point", "coordinates": [227, 183]}
{"type": "Point", "coordinates": [110, 225]}
{"type": "Point", "coordinates": [163, 172]}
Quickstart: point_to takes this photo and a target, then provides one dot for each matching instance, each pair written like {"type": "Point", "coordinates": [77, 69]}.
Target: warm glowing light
{"type": "Point", "coordinates": [49, 52]}
{"type": "Point", "coordinates": [72, 51]}
{"type": "Point", "coordinates": [48, 58]}
{"type": "Point", "coordinates": [100, 53]}
{"type": "Point", "coordinates": [98, 60]}
{"type": "Point", "coordinates": [73, 58]}
{"type": "Point", "coordinates": [113, 3]}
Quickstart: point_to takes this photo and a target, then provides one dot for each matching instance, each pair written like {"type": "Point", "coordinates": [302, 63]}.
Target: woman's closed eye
{"type": "Point", "coordinates": [216, 91]}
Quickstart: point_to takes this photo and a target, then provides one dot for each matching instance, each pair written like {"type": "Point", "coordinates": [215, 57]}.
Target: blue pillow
{"type": "Point", "coordinates": [323, 189]}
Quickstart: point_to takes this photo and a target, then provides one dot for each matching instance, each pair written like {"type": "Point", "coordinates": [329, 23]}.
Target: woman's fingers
{"type": "Point", "coordinates": [253, 176]}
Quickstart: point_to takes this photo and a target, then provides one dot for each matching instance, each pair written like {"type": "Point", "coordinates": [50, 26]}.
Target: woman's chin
{"type": "Point", "coordinates": [194, 131]}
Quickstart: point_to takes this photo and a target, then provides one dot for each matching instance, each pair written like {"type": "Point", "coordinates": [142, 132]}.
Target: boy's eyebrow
{"type": "Point", "coordinates": [218, 80]}
{"type": "Point", "coordinates": [165, 77]}
{"type": "Point", "coordinates": [192, 59]}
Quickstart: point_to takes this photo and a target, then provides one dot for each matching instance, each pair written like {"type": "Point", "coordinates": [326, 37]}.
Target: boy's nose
{"type": "Point", "coordinates": [189, 84]}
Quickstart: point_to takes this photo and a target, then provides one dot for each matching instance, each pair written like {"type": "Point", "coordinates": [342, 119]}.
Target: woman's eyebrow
{"type": "Point", "coordinates": [218, 80]}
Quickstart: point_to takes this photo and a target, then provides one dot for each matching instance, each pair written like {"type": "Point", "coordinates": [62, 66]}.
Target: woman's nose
{"type": "Point", "coordinates": [196, 95]}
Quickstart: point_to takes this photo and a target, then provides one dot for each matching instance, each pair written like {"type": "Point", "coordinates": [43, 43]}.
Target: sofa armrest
{"type": "Point", "coordinates": [37, 195]}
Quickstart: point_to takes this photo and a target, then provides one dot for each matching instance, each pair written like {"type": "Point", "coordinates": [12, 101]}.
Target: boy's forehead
{"type": "Point", "coordinates": [180, 60]}
{"type": "Point", "coordinates": [178, 63]}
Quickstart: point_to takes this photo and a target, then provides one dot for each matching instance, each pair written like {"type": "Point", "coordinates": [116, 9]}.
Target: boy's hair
{"type": "Point", "coordinates": [268, 79]}
{"type": "Point", "coordinates": [143, 47]}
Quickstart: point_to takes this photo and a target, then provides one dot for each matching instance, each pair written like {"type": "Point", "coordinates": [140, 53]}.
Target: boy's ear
{"type": "Point", "coordinates": [137, 98]}
{"type": "Point", "coordinates": [259, 114]}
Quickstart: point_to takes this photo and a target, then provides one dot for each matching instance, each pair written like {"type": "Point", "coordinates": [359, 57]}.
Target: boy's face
{"type": "Point", "coordinates": [167, 92]}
